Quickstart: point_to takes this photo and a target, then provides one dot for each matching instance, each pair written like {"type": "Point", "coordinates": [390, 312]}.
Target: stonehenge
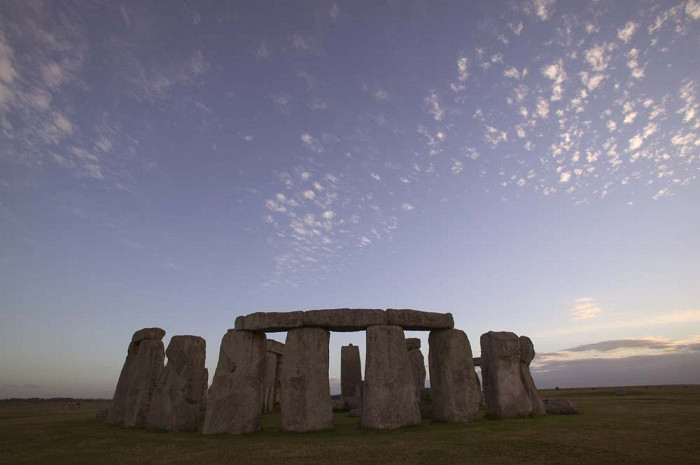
{"type": "Point", "coordinates": [305, 400]}
{"type": "Point", "coordinates": [502, 366]}
{"type": "Point", "coordinates": [137, 381]}
{"type": "Point", "coordinates": [273, 363]}
{"type": "Point", "coordinates": [178, 395]}
{"type": "Point", "coordinates": [453, 388]}
{"type": "Point", "coordinates": [527, 354]}
{"type": "Point", "coordinates": [255, 375]}
{"type": "Point", "coordinates": [389, 398]}
{"type": "Point", "coordinates": [415, 356]}
{"type": "Point", "coordinates": [235, 396]}
{"type": "Point", "coordinates": [350, 377]}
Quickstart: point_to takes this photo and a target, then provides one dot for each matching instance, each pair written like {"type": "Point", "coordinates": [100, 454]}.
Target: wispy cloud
{"type": "Point", "coordinates": [584, 308]}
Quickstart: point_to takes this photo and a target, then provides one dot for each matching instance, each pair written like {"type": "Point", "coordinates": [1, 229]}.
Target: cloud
{"type": "Point", "coordinates": [584, 308]}
{"type": "Point", "coordinates": [626, 33]}
{"type": "Point", "coordinates": [433, 103]}
{"type": "Point", "coordinates": [692, 9]}
{"type": "Point", "coordinates": [643, 361]}
{"type": "Point", "coordinates": [598, 57]}
{"type": "Point", "coordinates": [556, 73]}
{"type": "Point", "coordinates": [407, 207]}
{"type": "Point", "coordinates": [311, 143]}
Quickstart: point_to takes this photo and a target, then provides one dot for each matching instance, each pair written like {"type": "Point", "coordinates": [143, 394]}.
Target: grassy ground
{"type": "Point", "coordinates": [654, 425]}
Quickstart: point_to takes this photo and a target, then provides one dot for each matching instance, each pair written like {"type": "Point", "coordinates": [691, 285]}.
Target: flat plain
{"type": "Point", "coordinates": [651, 425]}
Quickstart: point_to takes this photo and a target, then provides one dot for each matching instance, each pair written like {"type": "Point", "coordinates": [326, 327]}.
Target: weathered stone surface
{"type": "Point", "coordinates": [344, 319]}
{"type": "Point", "coordinates": [477, 361]}
{"type": "Point", "coordinates": [389, 398]}
{"type": "Point", "coordinates": [155, 334]}
{"type": "Point", "coordinates": [527, 354]}
{"type": "Point", "coordinates": [337, 403]}
{"type": "Point", "coordinates": [268, 403]}
{"type": "Point", "coordinates": [560, 407]}
{"type": "Point", "coordinates": [412, 343]}
{"type": "Point", "coordinates": [500, 369]}
{"type": "Point", "coordinates": [278, 384]}
{"type": "Point", "coordinates": [420, 321]}
{"type": "Point", "coordinates": [351, 376]}
{"type": "Point", "coordinates": [274, 346]}
{"type": "Point", "coordinates": [455, 397]}
{"type": "Point", "coordinates": [132, 397]}
{"type": "Point", "coordinates": [482, 399]}
{"type": "Point", "coordinates": [205, 389]}
{"type": "Point", "coordinates": [177, 398]}
{"type": "Point", "coordinates": [270, 322]}
{"type": "Point", "coordinates": [425, 403]}
{"type": "Point", "coordinates": [415, 356]}
{"type": "Point", "coordinates": [235, 396]}
{"type": "Point", "coordinates": [305, 399]}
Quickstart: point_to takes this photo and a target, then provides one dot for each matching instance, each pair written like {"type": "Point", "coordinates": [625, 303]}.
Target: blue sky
{"type": "Point", "coordinates": [527, 166]}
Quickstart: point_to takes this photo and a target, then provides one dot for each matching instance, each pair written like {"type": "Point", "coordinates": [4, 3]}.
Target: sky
{"type": "Point", "coordinates": [527, 166]}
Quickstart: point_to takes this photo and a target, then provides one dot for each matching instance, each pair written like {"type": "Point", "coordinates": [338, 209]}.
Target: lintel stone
{"type": "Point", "coordinates": [344, 319]}
{"type": "Point", "coordinates": [270, 322]}
{"type": "Point", "coordinates": [415, 320]}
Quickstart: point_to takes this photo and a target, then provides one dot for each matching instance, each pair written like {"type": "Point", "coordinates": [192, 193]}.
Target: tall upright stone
{"type": "Point", "coordinates": [500, 370]}
{"type": "Point", "coordinates": [389, 398]}
{"type": "Point", "coordinates": [350, 376]}
{"type": "Point", "coordinates": [452, 383]}
{"type": "Point", "coordinates": [415, 356]}
{"type": "Point", "coordinates": [205, 389]}
{"type": "Point", "coordinates": [178, 396]}
{"type": "Point", "coordinates": [270, 378]}
{"type": "Point", "coordinates": [235, 396]}
{"type": "Point", "coordinates": [527, 354]}
{"type": "Point", "coordinates": [305, 401]}
{"type": "Point", "coordinates": [138, 378]}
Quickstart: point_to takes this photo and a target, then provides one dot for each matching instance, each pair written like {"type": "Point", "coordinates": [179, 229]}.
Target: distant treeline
{"type": "Point", "coordinates": [17, 400]}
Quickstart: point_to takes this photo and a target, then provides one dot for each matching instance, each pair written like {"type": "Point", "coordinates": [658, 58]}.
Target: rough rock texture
{"type": "Point", "coordinates": [415, 356]}
{"type": "Point", "coordinates": [151, 334]}
{"type": "Point", "coordinates": [205, 389]}
{"type": "Point", "coordinates": [412, 343]}
{"type": "Point", "coordinates": [455, 397]}
{"type": "Point", "coordinates": [344, 319]}
{"type": "Point", "coordinates": [420, 321]}
{"type": "Point", "coordinates": [527, 354]}
{"type": "Point", "coordinates": [274, 346]}
{"type": "Point", "coordinates": [482, 398]}
{"type": "Point", "coordinates": [500, 369]}
{"type": "Point", "coordinates": [351, 376]}
{"type": "Point", "coordinates": [235, 396]}
{"type": "Point", "coordinates": [305, 399]}
{"type": "Point", "coordinates": [270, 322]}
{"type": "Point", "coordinates": [268, 403]}
{"type": "Point", "coordinates": [477, 361]}
{"type": "Point", "coordinates": [177, 398]}
{"type": "Point", "coordinates": [426, 403]}
{"type": "Point", "coordinates": [560, 407]}
{"type": "Point", "coordinates": [278, 384]}
{"type": "Point", "coordinates": [144, 362]}
{"type": "Point", "coordinates": [389, 398]}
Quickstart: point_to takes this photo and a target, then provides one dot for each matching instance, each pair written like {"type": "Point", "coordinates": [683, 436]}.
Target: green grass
{"type": "Point", "coordinates": [655, 425]}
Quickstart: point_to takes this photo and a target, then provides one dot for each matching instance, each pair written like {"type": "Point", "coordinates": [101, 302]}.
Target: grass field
{"type": "Point", "coordinates": [654, 425]}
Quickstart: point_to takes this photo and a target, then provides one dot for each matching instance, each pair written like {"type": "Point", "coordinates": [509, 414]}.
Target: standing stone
{"type": "Point", "coordinates": [144, 362]}
{"type": "Point", "coordinates": [389, 399]}
{"type": "Point", "coordinates": [178, 397]}
{"type": "Point", "coordinates": [455, 397]}
{"type": "Point", "coordinates": [205, 389]}
{"type": "Point", "coordinates": [527, 354]}
{"type": "Point", "coordinates": [500, 370]}
{"type": "Point", "coordinates": [415, 356]}
{"type": "Point", "coordinates": [305, 400]}
{"type": "Point", "coordinates": [235, 397]}
{"type": "Point", "coordinates": [270, 378]}
{"type": "Point", "coordinates": [350, 377]}
{"type": "Point", "coordinates": [278, 384]}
